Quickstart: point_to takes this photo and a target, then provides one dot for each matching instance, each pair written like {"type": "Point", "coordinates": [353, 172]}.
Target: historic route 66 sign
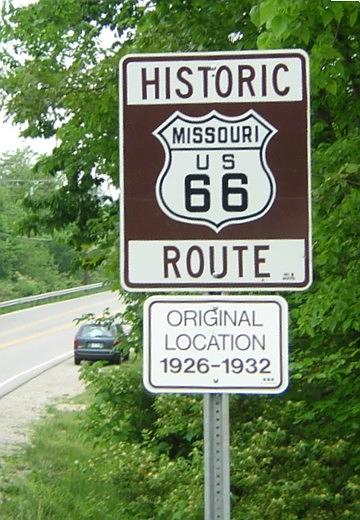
{"type": "Point", "coordinates": [221, 164]}
{"type": "Point", "coordinates": [214, 171]}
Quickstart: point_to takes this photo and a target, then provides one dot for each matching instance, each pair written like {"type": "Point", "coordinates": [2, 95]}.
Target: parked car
{"type": "Point", "coordinates": [95, 342]}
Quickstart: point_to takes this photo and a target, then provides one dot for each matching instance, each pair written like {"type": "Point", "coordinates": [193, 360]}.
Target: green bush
{"type": "Point", "coordinates": [281, 467]}
{"type": "Point", "coordinates": [149, 453]}
{"type": "Point", "coordinates": [120, 409]}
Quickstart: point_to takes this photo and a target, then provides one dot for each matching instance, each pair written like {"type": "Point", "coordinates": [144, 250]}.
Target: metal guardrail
{"type": "Point", "coordinates": [45, 296]}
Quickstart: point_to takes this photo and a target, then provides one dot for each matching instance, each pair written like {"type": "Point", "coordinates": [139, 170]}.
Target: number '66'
{"type": "Point", "coordinates": [234, 196]}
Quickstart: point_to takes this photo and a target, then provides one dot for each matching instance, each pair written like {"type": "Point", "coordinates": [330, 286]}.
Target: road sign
{"type": "Point", "coordinates": [215, 344]}
{"type": "Point", "coordinates": [215, 171]}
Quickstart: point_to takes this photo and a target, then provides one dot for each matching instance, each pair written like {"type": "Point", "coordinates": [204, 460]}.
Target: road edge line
{"type": "Point", "coordinates": [19, 380]}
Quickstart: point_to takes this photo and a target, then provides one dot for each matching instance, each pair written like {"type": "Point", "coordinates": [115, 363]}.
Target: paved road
{"type": "Point", "coordinates": [32, 340]}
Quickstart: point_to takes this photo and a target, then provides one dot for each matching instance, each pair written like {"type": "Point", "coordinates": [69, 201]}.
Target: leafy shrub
{"type": "Point", "coordinates": [120, 409]}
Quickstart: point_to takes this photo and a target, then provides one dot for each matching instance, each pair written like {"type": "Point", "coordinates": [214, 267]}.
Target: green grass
{"type": "Point", "coordinates": [54, 478]}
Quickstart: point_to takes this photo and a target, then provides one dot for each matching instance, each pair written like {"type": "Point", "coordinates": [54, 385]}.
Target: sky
{"type": "Point", "coordinates": [10, 139]}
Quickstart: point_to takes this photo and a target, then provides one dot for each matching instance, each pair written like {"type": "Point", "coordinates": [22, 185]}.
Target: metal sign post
{"type": "Point", "coordinates": [216, 457]}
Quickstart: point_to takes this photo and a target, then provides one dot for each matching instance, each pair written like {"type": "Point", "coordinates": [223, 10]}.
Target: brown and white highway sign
{"type": "Point", "coordinates": [215, 171]}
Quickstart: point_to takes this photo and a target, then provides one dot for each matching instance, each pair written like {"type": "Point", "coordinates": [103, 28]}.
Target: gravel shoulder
{"type": "Point", "coordinates": [28, 403]}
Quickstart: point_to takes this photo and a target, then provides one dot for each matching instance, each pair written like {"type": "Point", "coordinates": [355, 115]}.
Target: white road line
{"type": "Point", "coordinates": [46, 364]}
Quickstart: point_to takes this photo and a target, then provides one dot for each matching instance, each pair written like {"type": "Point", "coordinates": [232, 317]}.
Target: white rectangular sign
{"type": "Point", "coordinates": [216, 344]}
{"type": "Point", "coordinates": [184, 261]}
{"type": "Point", "coordinates": [202, 80]}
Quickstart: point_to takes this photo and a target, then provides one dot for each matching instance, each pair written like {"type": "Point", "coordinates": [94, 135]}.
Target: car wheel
{"type": "Point", "coordinates": [77, 361]}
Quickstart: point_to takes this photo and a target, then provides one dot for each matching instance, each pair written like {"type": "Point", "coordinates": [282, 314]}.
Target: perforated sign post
{"type": "Point", "coordinates": [214, 171]}
{"type": "Point", "coordinates": [215, 196]}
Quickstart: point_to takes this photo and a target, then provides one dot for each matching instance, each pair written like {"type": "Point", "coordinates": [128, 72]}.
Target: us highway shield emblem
{"type": "Point", "coordinates": [215, 172]}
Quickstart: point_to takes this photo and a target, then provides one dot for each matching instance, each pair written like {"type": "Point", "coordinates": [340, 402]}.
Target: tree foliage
{"type": "Point", "coordinates": [295, 456]}
{"type": "Point", "coordinates": [28, 265]}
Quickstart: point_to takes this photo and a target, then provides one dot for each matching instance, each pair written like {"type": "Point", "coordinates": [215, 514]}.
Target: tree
{"type": "Point", "coordinates": [57, 80]}
{"type": "Point", "coordinates": [28, 264]}
{"type": "Point", "coordinates": [294, 456]}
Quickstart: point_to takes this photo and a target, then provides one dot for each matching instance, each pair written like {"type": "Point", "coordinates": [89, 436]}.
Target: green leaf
{"type": "Point", "coordinates": [353, 16]}
{"type": "Point", "coordinates": [279, 25]}
{"type": "Point", "coordinates": [331, 86]}
{"type": "Point", "coordinates": [255, 15]}
{"type": "Point", "coordinates": [305, 35]}
{"type": "Point", "coordinates": [267, 12]}
{"type": "Point", "coordinates": [352, 168]}
{"type": "Point", "coordinates": [326, 16]}
{"type": "Point", "coordinates": [263, 40]}
{"type": "Point", "coordinates": [338, 10]}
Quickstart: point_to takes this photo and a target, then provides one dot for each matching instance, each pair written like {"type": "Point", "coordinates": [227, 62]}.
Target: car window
{"type": "Point", "coordinates": [94, 331]}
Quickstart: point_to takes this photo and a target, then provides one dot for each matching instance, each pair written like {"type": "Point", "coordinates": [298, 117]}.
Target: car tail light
{"type": "Point", "coordinates": [76, 343]}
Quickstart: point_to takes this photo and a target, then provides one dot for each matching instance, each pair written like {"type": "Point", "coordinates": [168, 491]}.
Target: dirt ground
{"type": "Point", "coordinates": [28, 402]}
